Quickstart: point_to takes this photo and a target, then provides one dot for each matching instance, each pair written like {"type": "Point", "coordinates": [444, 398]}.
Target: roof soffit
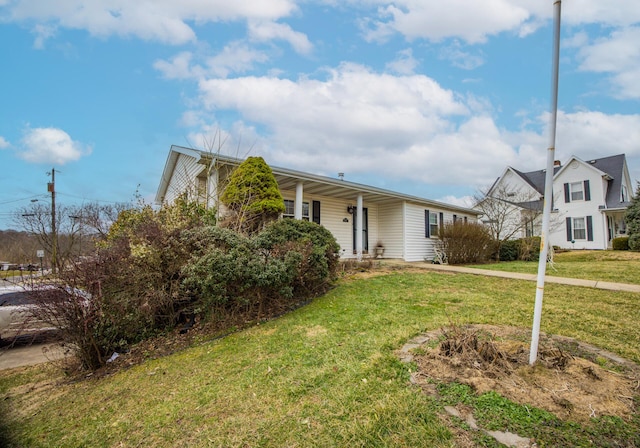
{"type": "Point", "coordinates": [326, 186]}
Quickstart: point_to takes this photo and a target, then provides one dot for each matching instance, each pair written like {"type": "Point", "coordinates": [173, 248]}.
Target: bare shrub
{"type": "Point", "coordinates": [465, 242]}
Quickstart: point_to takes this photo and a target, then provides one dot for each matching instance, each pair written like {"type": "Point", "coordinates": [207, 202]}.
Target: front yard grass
{"type": "Point", "coordinates": [608, 266]}
{"type": "Point", "coordinates": [326, 375]}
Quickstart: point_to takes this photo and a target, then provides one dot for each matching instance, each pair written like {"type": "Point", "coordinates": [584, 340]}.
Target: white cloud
{"type": "Point", "coordinates": [591, 134]}
{"type": "Point", "coordinates": [610, 13]}
{"type": "Point", "coordinates": [404, 64]}
{"type": "Point", "coordinates": [42, 32]}
{"type": "Point", "coordinates": [474, 21]}
{"type": "Point", "coordinates": [464, 201]}
{"type": "Point", "coordinates": [402, 127]}
{"type": "Point", "coordinates": [470, 21]}
{"type": "Point", "coordinates": [50, 145]}
{"type": "Point", "coordinates": [460, 58]}
{"type": "Point", "coordinates": [267, 31]}
{"type": "Point", "coordinates": [162, 20]}
{"type": "Point", "coordinates": [179, 67]}
{"type": "Point", "coordinates": [618, 54]}
{"type": "Point", "coordinates": [236, 57]}
{"type": "Point", "coordinates": [3, 143]}
{"type": "Point", "coordinates": [364, 122]}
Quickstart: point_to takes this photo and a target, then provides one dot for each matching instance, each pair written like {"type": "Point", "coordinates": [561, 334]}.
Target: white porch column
{"type": "Point", "coordinates": [297, 214]}
{"type": "Point", "coordinates": [359, 228]}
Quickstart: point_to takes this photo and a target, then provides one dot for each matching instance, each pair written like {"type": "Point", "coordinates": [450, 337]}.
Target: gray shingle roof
{"type": "Point", "coordinates": [612, 165]}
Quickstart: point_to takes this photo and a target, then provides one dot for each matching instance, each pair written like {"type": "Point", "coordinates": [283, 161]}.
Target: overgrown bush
{"type": "Point", "coordinates": [620, 243]}
{"type": "Point", "coordinates": [227, 275]}
{"type": "Point", "coordinates": [156, 266]}
{"type": "Point", "coordinates": [318, 265]}
{"type": "Point", "coordinates": [133, 280]}
{"type": "Point", "coordinates": [465, 242]}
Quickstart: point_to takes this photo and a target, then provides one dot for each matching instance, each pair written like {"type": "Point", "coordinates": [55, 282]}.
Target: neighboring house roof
{"type": "Point", "coordinates": [615, 166]}
{"type": "Point", "coordinates": [536, 178]}
{"type": "Point", "coordinates": [612, 168]}
{"type": "Point", "coordinates": [313, 184]}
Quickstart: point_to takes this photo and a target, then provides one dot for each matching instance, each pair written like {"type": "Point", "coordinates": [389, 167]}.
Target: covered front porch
{"type": "Point", "coordinates": [616, 227]}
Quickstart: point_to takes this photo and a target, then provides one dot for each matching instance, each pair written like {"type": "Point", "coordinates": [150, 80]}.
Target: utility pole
{"type": "Point", "coordinates": [51, 187]}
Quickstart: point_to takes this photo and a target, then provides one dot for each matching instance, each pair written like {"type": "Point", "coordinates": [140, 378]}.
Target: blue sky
{"type": "Point", "coordinates": [425, 97]}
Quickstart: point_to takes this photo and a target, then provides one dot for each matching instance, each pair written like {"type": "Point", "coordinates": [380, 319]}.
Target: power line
{"type": "Point", "coordinates": [23, 199]}
{"type": "Point", "coordinates": [91, 200]}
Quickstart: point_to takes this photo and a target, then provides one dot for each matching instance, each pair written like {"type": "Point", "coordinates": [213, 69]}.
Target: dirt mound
{"type": "Point", "coordinates": [572, 380]}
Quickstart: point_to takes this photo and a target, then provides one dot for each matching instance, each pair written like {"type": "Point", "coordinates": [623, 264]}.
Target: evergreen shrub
{"type": "Point", "coordinates": [620, 243]}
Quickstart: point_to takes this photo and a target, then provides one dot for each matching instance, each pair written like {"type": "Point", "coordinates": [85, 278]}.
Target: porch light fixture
{"type": "Point", "coordinates": [350, 209]}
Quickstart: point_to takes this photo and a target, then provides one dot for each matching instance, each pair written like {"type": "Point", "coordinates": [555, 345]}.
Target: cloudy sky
{"type": "Point", "coordinates": [424, 97]}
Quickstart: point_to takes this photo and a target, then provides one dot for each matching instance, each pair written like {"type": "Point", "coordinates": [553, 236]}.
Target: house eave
{"type": "Point", "coordinates": [325, 186]}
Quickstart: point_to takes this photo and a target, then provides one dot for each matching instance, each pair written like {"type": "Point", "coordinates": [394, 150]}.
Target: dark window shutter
{"type": "Point", "coordinates": [441, 221]}
{"type": "Point", "coordinates": [589, 228]}
{"type": "Point", "coordinates": [587, 191]}
{"type": "Point", "coordinates": [455, 218]}
{"type": "Point", "coordinates": [567, 195]}
{"type": "Point", "coordinates": [316, 212]}
{"type": "Point", "coordinates": [426, 224]}
{"type": "Point", "coordinates": [569, 234]}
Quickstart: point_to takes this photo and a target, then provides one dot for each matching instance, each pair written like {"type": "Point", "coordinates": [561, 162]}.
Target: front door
{"type": "Point", "coordinates": [365, 229]}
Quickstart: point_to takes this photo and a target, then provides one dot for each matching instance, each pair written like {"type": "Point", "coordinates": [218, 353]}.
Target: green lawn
{"type": "Point", "coordinates": [325, 375]}
{"type": "Point", "coordinates": [609, 266]}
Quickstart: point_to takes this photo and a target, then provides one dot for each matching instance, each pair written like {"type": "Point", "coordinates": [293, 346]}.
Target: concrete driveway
{"type": "Point", "coordinates": [29, 355]}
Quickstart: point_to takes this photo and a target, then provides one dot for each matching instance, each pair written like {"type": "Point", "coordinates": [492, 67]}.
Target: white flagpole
{"type": "Point", "coordinates": [548, 188]}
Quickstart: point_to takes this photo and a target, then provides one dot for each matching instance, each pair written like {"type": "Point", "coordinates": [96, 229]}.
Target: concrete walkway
{"type": "Point", "coordinates": [518, 276]}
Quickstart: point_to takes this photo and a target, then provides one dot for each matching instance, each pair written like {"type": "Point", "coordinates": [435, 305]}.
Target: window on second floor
{"type": "Point", "coordinates": [623, 194]}
{"type": "Point", "coordinates": [577, 191]}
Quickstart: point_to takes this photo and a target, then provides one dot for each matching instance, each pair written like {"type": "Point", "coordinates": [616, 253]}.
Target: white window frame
{"type": "Point", "coordinates": [576, 189]}
{"type": "Point", "coordinates": [290, 209]}
{"type": "Point", "coordinates": [433, 224]}
{"type": "Point", "coordinates": [577, 230]}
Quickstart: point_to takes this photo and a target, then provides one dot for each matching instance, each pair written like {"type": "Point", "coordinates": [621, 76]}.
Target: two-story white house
{"type": "Point", "coordinates": [589, 201]}
{"type": "Point", "coordinates": [359, 216]}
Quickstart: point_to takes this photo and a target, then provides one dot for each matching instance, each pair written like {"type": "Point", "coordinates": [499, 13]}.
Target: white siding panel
{"type": "Point", "coordinates": [417, 246]}
{"type": "Point", "coordinates": [184, 177]}
{"type": "Point", "coordinates": [390, 225]}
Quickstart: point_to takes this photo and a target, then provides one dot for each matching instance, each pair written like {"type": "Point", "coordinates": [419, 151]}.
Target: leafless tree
{"type": "Point", "coordinates": [97, 218]}
{"type": "Point", "coordinates": [77, 227]}
{"type": "Point", "coordinates": [511, 214]}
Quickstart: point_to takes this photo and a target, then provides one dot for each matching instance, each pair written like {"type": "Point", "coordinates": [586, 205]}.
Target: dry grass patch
{"type": "Point", "coordinates": [576, 382]}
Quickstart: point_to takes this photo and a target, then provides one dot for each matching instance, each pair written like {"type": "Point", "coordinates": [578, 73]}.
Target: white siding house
{"type": "Point", "coordinates": [589, 200]}
{"type": "Point", "coordinates": [405, 225]}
